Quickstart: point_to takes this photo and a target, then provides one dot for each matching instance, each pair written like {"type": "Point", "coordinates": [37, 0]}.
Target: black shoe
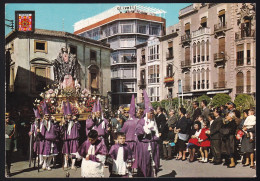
{"type": "Point", "coordinates": [217, 163]}
{"type": "Point", "coordinates": [231, 166]}
{"type": "Point", "coordinates": [245, 165]}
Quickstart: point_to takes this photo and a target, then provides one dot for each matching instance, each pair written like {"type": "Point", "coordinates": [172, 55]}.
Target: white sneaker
{"type": "Point", "coordinates": [202, 159]}
{"type": "Point", "coordinates": [49, 168]}
{"type": "Point", "coordinates": [44, 166]}
{"type": "Point", "coordinates": [205, 160]}
{"type": "Point", "coordinates": [73, 168]}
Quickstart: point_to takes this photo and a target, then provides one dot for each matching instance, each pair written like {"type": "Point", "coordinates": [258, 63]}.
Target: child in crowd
{"type": "Point", "coordinates": [204, 142]}
{"type": "Point", "coordinates": [169, 143]}
{"type": "Point", "coordinates": [122, 157]}
{"type": "Point", "coordinates": [200, 119]}
{"type": "Point", "coordinates": [249, 123]}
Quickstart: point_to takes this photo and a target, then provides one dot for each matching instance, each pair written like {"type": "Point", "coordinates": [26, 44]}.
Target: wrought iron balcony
{"type": "Point", "coordinates": [185, 38]}
{"type": "Point", "coordinates": [142, 61]}
{"type": "Point", "coordinates": [142, 83]}
{"type": "Point", "coordinates": [219, 57]}
{"type": "Point", "coordinates": [169, 55]}
{"type": "Point", "coordinates": [220, 85]}
{"type": "Point", "coordinates": [244, 34]}
{"type": "Point", "coordinates": [220, 27]}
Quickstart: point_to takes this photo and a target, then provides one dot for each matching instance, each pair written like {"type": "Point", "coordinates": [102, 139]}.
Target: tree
{"type": "Point", "coordinates": [220, 99]}
{"type": "Point", "coordinates": [155, 104]}
{"type": "Point", "coordinates": [204, 97]}
{"type": "Point", "coordinates": [244, 101]}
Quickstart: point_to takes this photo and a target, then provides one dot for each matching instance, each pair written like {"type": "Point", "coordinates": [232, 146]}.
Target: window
{"type": "Point", "coordinates": [93, 55]}
{"type": "Point", "coordinates": [128, 72]}
{"type": "Point", "coordinates": [73, 49]}
{"type": "Point", "coordinates": [198, 79]}
{"type": "Point", "coordinates": [221, 78]}
{"type": "Point", "coordinates": [113, 29]}
{"type": "Point", "coordinates": [240, 83]}
{"type": "Point", "coordinates": [154, 74]}
{"type": "Point", "coordinates": [40, 76]}
{"type": "Point", "coordinates": [198, 51]}
{"type": "Point", "coordinates": [126, 28]}
{"type": "Point", "coordinates": [154, 30]}
{"type": "Point", "coordinates": [141, 28]}
{"type": "Point", "coordinates": [248, 57]}
{"type": "Point", "coordinates": [40, 46]}
{"type": "Point", "coordinates": [194, 80]}
{"type": "Point", "coordinates": [203, 21]}
{"type": "Point", "coordinates": [170, 50]}
{"type": "Point", "coordinates": [222, 18]}
{"type": "Point", "coordinates": [203, 51]}
{"type": "Point", "coordinates": [187, 56]}
{"type": "Point", "coordinates": [128, 87]}
{"type": "Point", "coordinates": [115, 73]}
{"type": "Point", "coordinates": [127, 42]}
{"type": "Point", "coordinates": [240, 55]}
{"type": "Point", "coordinates": [248, 81]}
{"type": "Point", "coordinates": [187, 28]}
{"type": "Point", "coordinates": [207, 50]}
{"type": "Point", "coordinates": [207, 78]}
{"type": "Point", "coordinates": [143, 56]}
{"type": "Point", "coordinates": [154, 94]}
{"type": "Point", "coordinates": [194, 52]}
{"type": "Point", "coordinates": [169, 70]}
{"type": "Point", "coordinates": [187, 82]}
{"type": "Point", "coordinates": [221, 44]}
{"type": "Point", "coordinates": [153, 52]}
{"type": "Point", "coordinates": [12, 78]}
{"type": "Point", "coordinates": [203, 78]}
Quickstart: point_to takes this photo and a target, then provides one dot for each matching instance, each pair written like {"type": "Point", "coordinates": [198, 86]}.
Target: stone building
{"type": "Point", "coordinates": [30, 58]}
{"type": "Point", "coordinates": [123, 27]}
{"type": "Point", "coordinates": [217, 52]}
{"type": "Point", "coordinates": [158, 70]}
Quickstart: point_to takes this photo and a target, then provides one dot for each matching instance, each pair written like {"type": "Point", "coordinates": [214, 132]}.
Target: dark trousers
{"type": "Point", "coordinates": [8, 159]}
{"type": "Point", "coordinates": [216, 150]}
{"type": "Point", "coordinates": [167, 150]}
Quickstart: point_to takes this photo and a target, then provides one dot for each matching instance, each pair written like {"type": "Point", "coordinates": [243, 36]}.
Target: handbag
{"type": "Point", "coordinates": [183, 137]}
{"type": "Point", "coordinates": [239, 134]}
{"type": "Point", "coordinates": [172, 144]}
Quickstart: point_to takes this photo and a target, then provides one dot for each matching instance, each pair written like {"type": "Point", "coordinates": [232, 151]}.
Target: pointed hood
{"type": "Point", "coordinates": [94, 107]}
{"type": "Point", "coordinates": [69, 111]}
{"type": "Point", "coordinates": [132, 107]}
{"type": "Point", "coordinates": [45, 108]}
{"type": "Point", "coordinates": [98, 108]}
{"type": "Point", "coordinates": [147, 104]}
{"type": "Point", "coordinates": [36, 113]}
{"type": "Point", "coordinates": [64, 109]}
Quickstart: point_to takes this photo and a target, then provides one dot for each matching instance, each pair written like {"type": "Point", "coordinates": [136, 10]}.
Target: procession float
{"type": "Point", "coordinates": [66, 88]}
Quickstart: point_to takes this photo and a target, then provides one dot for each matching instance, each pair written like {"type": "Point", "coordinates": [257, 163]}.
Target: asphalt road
{"type": "Point", "coordinates": [169, 168]}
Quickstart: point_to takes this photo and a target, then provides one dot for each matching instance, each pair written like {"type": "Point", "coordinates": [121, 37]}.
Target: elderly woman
{"type": "Point", "coordinates": [172, 119]}
{"type": "Point", "coordinates": [228, 131]}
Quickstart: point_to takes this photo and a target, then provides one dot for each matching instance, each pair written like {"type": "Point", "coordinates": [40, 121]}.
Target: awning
{"type": "Point", "coordinates": [217, 92]}
{"type": "Point", "coordinates": [203, 20]}
{"type": "Point", "coordinates": [188, 94]}
{"type": "Point", "coordinates": [221, 12]}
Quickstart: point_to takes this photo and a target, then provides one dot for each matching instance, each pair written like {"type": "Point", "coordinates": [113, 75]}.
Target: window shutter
{"type": "Point", "coordinates": [170, 44]}
{"type": "Point", "coordinates": [240, 48]}
{"type": "Point", "coordinates": [187, 26]}
{"type": "Point", "coordinates": [221, 77]}
{"type": "Point", "coordinates": [248, 78]}
{"type": "Point", "coordinates": [207, 47]}
{"type": "Point", "coordinates": [187, 54]}
{"type": "Point", "coordinates": [198, 48]}
{"type": "Point", "coordinates": [203, 20]}
{"type": "Point", "coordinates": [221, 45]}
{"type": "Point", "coordinates": [240, 79]}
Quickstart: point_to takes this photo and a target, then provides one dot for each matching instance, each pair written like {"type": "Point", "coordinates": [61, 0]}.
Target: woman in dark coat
{"type": "Point", "coordinates": [247, 147]}
{"type": "Point", "coordinates": [182, 128]}
{"type": "Point", "coordinates": [228, 131]}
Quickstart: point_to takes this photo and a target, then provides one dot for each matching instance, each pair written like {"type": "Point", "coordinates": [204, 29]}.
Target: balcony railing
{"type": "Point", "coordinates": [220, 27]}
{"type": "Point", "coordinates": [186, 10]}
{"type": "Point", "coordinates": [246, 34]}
{"type": "Point", "coordinates": [125, 60]}
{"type": "Point", "coordinates": [218, 57]}
{"type": "Point", "coordinates": [220, 84]}
{"type": "Point", "coordinates": [185, 38]}
{"type": "Point", "coordinates": [185, 64]}
{"type": "Point", "coordinates": [169, 56]}
{"type": "Point", "coordinates": [240, 89]}
{"type": "Point", "coordinates": [200, 32]}
{"type": "Point", "coordinates": [186, 88]}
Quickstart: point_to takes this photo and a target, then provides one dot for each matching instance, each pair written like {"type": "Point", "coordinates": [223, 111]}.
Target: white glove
{"type": "Point", "coordinates": [6, 136]}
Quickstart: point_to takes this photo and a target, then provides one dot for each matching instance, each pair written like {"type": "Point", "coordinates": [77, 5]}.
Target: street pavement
{"type": "Point", "coordinates": [169, 168]}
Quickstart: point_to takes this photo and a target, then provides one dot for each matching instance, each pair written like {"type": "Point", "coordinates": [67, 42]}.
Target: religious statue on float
{"type": "Point", "coordinates": [66, 70]}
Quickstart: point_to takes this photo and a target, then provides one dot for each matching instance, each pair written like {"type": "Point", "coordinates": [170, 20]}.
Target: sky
{"type": "Point", "coordinates": [52, 16]}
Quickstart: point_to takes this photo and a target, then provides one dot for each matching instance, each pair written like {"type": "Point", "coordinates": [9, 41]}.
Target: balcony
{"type": "Point", "coordinates": [200, 32]}
{"type": "Point", "coordinates": [186, 10]}
{"type": "Point", "coordinates": [185, 64]}
{"type": "Point", "coordinates": [186, 88]}
{"type": "Point", "coordinates": [185, 38]}
{"type": "Point", "coordinates": [240, 89]}
{"type": "Point", "coordinates": [246, 34]}
{"type": "Point", "coordinates": [219, 58]}
{"type": "Point", "coordinates": [220, 27]}
{"type": "Point", "coordinates": [220, 85]}
{"type": "Point", "coordinates": [142, 84]}
{"type": "Point", "coordinates": [125, 60]}
{"type": "Point", "coordinates": [169, 56]}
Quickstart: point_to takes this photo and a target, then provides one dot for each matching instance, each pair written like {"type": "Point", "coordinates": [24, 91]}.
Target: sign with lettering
{"type": "Point", "coordinates": [25, 21]}
{"type": "Point", "coordinates": [126, 8]}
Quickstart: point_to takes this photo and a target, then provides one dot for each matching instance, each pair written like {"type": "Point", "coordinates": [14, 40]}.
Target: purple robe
{"type": "Point", "coordinates": [129, 130]}
{"type": "Point", "coordinates": [41, 142]}
{"type": "Point", "coordinates": [100, 149]}
{"type": "Point", "coordinates": [50, 142]}
{"type": "Point", "coordinates": [142, 153]}
{"type": "Point", "coordinates": [98, 127]}
{"type": "Point", "coordinates": [70, 141]}
{"type": "Point", "coordinates": [127, 152]}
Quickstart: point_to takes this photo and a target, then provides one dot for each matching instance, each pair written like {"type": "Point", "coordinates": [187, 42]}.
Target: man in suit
{"type": "Point", "coordinates": [205, 110]}
{"type": "Point", "coordinates": [162, 126]}
{"type": "Point", "coordinates": [215, 137]}
{"type": "Point", "coordinates": [197, 111]}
